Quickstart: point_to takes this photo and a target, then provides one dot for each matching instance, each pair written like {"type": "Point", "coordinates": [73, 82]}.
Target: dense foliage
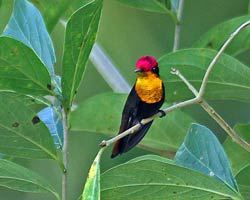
{"type": "Point", "coordinates": [41, 108]}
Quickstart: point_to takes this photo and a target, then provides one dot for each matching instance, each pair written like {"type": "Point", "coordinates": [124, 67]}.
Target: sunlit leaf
{"type": "Point", "coordinates": [153, 177]}
{"type": "Point", "coordinates": [92, 186]}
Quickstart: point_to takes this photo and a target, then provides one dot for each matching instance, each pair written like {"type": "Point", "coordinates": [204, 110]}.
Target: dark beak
{"type": "Point", "coordinates": [139, 70]}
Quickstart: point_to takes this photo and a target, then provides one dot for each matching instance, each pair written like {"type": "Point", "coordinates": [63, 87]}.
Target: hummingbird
{"type": "Point", "coordinates": [144, 100]}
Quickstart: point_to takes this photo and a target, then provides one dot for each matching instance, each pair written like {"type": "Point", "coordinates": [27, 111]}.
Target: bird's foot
{"type": "Point", "coordinates": [163, 114]}
{"type": "Point", "coordinates": [139, 122]}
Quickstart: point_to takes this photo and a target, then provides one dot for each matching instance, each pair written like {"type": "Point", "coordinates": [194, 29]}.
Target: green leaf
{"type": "Point", "coordinates": [155, 178]}
{"type": "Point", "coordinates": [238, 156]}
{"type": "Point", "coordinates": [21, 70]}
{"type": "Point", "coordinates": [202, 151]}
{"type": "Point", "coordinates": [92, 186]}
{"type": "Point", "coordinates": [151, 6]}
{"type": "Point", "coordinates": [52, 11]}
{"type": "Point", "coordinates": [16, 177]}
{"type": "Point", "coordinates": [216, 36]}
{"type": "Point", "coordinates": [80, 37]}
{"type": "Point", "coordinates": [21, 131]}
{"type": "Point", "coordinates": [26, 25]}
{"type": "Point", "coordinates": [102, 114]}
{"type": "Point", "coordinates": [229, 80]}
{"type": "Point", "coordinates": [243, 179]}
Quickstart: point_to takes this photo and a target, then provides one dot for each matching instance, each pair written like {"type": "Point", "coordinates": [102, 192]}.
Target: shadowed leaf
{"type": "Point", "coordinates": [202, 151]}
{"type": "Point", "coordinates": [243, 179]}
{"type": "Point", "coordinates": [27, 26]}
{"type": "Point", "coordinates": [54, 123]}
{"type": "Point", "coordinates": [21, 70]}
{"type": "Point", "coordinates": [216, 36]}
{"type": "Point", "coordinates": [158, 6]}
{"type": "Point", "coordinates": [16, 177]}
{"type": "Point", "coordinates": [21, 131]}
{"type": "Point", "coordinates": [229, 80]}
{"type": "Point", "coordinates": [238, 156]}
{"type": "Point", "coordinates": [165, 134]}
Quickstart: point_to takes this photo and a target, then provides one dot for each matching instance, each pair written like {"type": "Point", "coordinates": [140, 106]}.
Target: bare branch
{"type": "Point", "coordinates": [223, 124]}
{"type": "Point", "coordinates": [197, 99]}
{"type": "Point", "coordinates": [65, 154]}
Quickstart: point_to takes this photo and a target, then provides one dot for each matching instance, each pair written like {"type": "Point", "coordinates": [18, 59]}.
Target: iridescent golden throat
{"type": "Point", "coordinates": [149, 87]}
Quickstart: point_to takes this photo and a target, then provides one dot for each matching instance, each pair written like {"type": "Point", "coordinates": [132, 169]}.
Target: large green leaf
{"type": "Point", "coordinates": [80, 36]}
{"type": "Point", "coordinates": [216, 36]}
{"type": "Point", "coordinates": [26, 25]}
{"type": "Point", "coordinates": [102, 114]}
{"type": "Point", "coordinates": [16, 177]}
{"type": "Point", "coordinates": [238, 156]}
{"type": "Point", "coordinates": [243, 179]}
{"type": "Point", "coordinates": [152, 6]}
{"type": "Point", "coordinates": [229, 80]}
{"type": "Point", "coordinates": [158, 178]}
{"type": "Point", "coordinates": [202, 151]}
{"type": "Point", "coordinates": [21, 70]}
{"type": "Point", "coordinates": [21, 131]}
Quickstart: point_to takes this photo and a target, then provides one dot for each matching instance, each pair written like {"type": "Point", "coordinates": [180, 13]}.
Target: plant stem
{"type": "Point", "coordinates": [177, 33]}
{"type": "Point", "coordinates": [65, 154]}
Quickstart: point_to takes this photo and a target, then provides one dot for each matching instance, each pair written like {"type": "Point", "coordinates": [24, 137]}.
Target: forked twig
{"type": "Point", "coordinates": [197, 99]}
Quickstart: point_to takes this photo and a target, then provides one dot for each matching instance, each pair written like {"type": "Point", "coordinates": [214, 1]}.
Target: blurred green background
{"type": "Point", "coordinates": [126, 34]}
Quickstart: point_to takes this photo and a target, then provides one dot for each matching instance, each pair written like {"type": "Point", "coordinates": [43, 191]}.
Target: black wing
{"type": "Point", "coordinates": [134, 111]}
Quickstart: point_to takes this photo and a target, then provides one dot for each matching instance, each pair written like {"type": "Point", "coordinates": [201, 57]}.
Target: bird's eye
{"type": "Point", "coordinates": [155, 70]}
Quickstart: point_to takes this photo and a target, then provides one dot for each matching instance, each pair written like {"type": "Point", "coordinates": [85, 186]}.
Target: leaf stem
{"type": "Point", "coordinates": [65, 154]}
{"type": "Point", "coordinates": [177, 33]}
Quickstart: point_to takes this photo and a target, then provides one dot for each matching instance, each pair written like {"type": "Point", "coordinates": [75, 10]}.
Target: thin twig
{"type": "Point", "coordinates": [223, 124]}
{"type": "Point", "coordinates": [147, 120]}
{"type": "Point", "coordinates": [178, 26]}
{"type": "Point", "coordinates": [215, 59]}
{"type": "Point", "coordinates": [65, 154]}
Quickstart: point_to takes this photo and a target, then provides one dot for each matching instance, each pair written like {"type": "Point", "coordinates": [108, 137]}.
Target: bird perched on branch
{"type": "Point", "coordinates": [144, 100]}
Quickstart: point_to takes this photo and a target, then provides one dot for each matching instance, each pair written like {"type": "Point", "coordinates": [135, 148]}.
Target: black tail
{"type": "Point", "coordinates": [129, 141]}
